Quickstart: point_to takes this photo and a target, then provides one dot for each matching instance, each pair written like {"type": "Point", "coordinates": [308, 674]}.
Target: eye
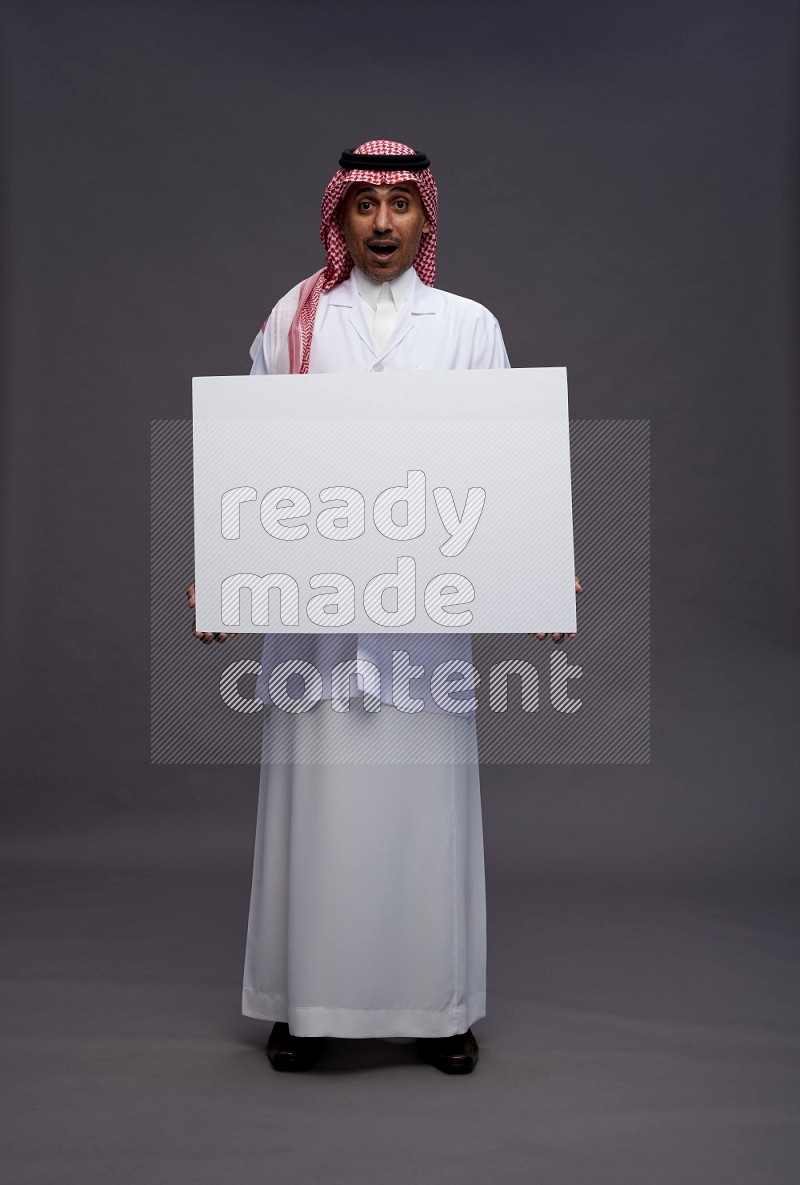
{"type": "Point", "coordinates": [364, 205]}
{"type": "Point", "coordinates": [402, 203]}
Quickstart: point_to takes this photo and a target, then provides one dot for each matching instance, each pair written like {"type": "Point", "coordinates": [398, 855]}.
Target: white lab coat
{"type": "Point", "coordinates": [434, 330]}
{"type": "Point", "coordinates": [367, 913]}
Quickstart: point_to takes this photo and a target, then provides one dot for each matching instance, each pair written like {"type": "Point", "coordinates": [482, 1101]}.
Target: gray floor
{"type": "Point", "coordinates": [636, 1033]}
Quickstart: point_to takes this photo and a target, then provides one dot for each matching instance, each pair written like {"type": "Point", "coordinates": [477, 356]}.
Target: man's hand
{"type": "Point", "coordinates": [205, 638]}
{"type": "Point", "coordinates": [560, 637]}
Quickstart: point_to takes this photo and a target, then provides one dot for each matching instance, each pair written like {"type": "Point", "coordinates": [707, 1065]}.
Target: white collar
{"type": "Point", "coordinates": [370, 290]}
{"type": "Point", "coordinates": [422, 300]}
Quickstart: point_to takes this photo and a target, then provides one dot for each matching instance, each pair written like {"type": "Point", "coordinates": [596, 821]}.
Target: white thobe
{"type": "Point", "coordinates": [367, 912]}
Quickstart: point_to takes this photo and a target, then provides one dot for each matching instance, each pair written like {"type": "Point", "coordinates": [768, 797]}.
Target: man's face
{"type": "Point", "coordinates": [382, 226]}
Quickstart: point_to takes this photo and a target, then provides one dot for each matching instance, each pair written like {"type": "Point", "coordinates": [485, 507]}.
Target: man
{"type": "Point", "coordinates": [367, 915]}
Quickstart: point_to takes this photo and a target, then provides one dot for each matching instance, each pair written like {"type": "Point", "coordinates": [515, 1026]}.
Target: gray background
{"type": "Point", "coordinates": [618, 184]}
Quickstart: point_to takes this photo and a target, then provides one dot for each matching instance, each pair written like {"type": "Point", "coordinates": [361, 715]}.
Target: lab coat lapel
{"type": "Point", "coordinates": [418, 304]}
{"type": "Point", "coordinates": [346, 294]}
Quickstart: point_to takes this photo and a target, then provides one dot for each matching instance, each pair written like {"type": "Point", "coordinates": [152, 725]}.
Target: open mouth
{"type": "Point", "coordinates": [382, 250]}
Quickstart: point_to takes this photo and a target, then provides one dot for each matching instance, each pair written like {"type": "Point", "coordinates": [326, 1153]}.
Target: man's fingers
{"type": "Point", "coordinates": [204, 637]}
{"type": "Point", "coordinates": [558, 638]}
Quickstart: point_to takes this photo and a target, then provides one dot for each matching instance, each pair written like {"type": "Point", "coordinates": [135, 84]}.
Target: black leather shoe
{"type": "Point", "coordinates": [287, 1052]}
{"type": "Point", "coordinates": [451, 1055]}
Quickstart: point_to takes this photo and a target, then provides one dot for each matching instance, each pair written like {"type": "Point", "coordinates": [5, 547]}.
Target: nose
{"type": "Point", "coordinates": [383, 218]}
